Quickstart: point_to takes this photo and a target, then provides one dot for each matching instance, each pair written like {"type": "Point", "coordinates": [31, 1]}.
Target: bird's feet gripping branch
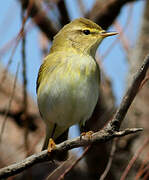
{"type": "Point", "coordinates": [86, 134]}
{"type": "Point", "coordinates": [51, 145]}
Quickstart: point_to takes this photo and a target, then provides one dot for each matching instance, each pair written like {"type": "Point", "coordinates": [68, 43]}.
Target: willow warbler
{"type": "Point", "coordinates": [68, 79]}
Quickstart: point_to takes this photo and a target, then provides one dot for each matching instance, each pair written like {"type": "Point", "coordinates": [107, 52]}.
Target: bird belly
{"type": "Point", "coordinates": [70, 94]}
{"type": "Point", "coordinates": [69, 101]}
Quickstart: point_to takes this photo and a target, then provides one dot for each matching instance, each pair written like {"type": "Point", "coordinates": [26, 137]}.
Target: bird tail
{"type": "Point", "coordinates": [64, 136]}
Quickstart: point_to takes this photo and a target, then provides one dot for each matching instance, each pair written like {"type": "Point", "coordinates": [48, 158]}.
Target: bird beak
{"type": "Point", "coordinates": [107, 33]}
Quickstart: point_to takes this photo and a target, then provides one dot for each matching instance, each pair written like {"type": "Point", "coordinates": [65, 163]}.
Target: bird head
{"type": "Point", "coordinates": [80, 35]}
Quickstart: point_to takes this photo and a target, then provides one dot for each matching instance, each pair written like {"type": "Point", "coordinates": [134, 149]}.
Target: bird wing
{"type": "Point", "coordinates": [50, 63]}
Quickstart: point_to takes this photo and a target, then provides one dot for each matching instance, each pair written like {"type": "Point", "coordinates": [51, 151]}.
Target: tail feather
{"type": "Point", "coordinates": [59, 139]}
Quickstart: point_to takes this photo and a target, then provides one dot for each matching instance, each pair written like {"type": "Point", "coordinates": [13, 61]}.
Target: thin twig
{"type": "Point", "coordinates": [40, 18]}
{"type": "Point", "coordinates": [9, 104]}
{"type": "Point", "coordinates": [8, 45]}
{"type": "Point", "coordinates": [74, 164]}
{"type": "Point", "coordinates": [124, 41]}
{"type": "Point", "coordinates": [67, 170]}
{"type": "Point", "coordinates": [24, 75]}
{"type": "Point", "coordinates": [108, 50]}
{"type": "Point", "coordinates": [82, 7]}
{"type": "Point", "coordinates": [147, 174]}
{"type": "Point", "coordinates": [113, 149]}
{"type": "Point", "coordinates": [18, 38]}
{"type": "Point", "coordinates": [144, 82]}
{"type": "Point", "coordinates": [125, 173]}
{"type": "Point", "coordinates": [7, 93]}
{"type": "Point", "coordinates": [142, 168]}
{"type": "Point", "coordinates": [24, 107]}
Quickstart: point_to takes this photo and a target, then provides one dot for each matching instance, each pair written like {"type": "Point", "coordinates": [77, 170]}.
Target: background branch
{"type": "Point", "coordinates": [40, 18]}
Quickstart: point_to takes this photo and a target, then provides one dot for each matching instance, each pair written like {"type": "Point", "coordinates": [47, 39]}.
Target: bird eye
{"type": "Point", "coordinates": [86, 32]}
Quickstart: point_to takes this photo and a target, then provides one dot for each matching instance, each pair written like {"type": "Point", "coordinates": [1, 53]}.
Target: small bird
{"type": "Point", "coordinates": [68, 80]}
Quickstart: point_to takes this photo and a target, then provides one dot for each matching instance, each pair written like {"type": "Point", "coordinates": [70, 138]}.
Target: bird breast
{"type": "Point", "coordinates": [71, 91]}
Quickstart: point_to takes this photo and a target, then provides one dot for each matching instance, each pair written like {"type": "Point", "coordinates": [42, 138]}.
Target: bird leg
{"type": "Point", "coordinates": [51, 145]}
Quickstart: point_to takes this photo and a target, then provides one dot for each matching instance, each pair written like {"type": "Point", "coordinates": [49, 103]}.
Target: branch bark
{"type": "Point", "coordinates": [98, 137]}
{"type": "Point", "coordinates": [105, 12]}
{"type": "Point", "coordinates": [40, 18]}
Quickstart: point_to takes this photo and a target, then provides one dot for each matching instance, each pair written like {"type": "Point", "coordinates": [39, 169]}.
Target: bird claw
{"type": "Point", "coordinates": [51, 145]}
{"type": "Point", "coordinates": [86, 134]}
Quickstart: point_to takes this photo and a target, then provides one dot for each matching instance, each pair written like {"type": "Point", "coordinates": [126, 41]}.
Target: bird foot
{"type": "Point", "coordinates": [51, 145]}
{"type": "Point", "coordinates": [86, 134]}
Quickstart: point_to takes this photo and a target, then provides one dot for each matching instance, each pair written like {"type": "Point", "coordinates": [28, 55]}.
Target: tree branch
{"type": "Point", "coordinates": [64, 19]}
{"type": "Point", "coordinates": [104, 13]}
{"type": "Point", "coordinates": [130, 95]}
{"type": "Point", "coordinates": [40, 18]}
{"type": "Point", "coordinates": [19, 119]}
{"type": "Point", "coordinates": [98, 137]}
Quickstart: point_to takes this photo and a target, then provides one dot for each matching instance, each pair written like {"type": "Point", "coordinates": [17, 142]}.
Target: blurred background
{"type": "Point", "coordinates": [27, 28]}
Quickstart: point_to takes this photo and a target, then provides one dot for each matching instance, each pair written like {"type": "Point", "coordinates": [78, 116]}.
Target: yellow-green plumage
{"type": "Point", "coordinates": [71, 90]}
{"type": "Point", "coordinates": [68, 79]}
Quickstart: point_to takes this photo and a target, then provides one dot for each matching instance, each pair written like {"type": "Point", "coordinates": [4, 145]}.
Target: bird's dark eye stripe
{"type": "Point", "coordinates": [86, 32]}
